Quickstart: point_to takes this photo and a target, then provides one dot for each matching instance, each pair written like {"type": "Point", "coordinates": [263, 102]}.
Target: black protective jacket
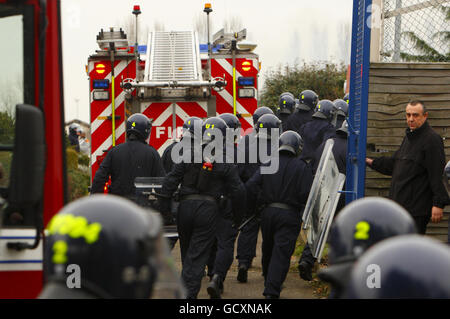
{"type": "Point", "coordinates": [290, 185]}
{"type": "Point", "coordinates": [313, 134]}
{"type": "Point", "coordinates": [416, 170]}
{"type": "Point", "coordinates": [297, 119]}
{"type": "Point", "coordinates": [167, 157]}
{"type": "Point", "coordinates": [73, 139]}
{"type": "Point", "coordinates": [222, 180]}
{"type": "Point", "coordinates": [124, 163]}
{"type": "Point", "coordinates": [339, 153]}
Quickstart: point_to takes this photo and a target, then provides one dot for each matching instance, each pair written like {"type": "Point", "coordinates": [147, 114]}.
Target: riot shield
{"type": "Point", "coordinates": [147, 189]}
{"type": "Point", "coordinates": [322, 201]}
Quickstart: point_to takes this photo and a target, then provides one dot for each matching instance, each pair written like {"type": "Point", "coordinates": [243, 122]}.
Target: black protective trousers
{"type": "Point", "coordinates": [280, 229]}
{"type": "Point", "coordinates": [246, 246]}
{"type": "Point", "coordinates": [197, 226]}
{"type": "Point", "coordinates": [226, 237]}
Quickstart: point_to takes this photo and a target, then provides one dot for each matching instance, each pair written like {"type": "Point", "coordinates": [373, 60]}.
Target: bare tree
{"type": "Point", "coordinates": [200, 25]}
{"type": "Point", "coordinates": [128, 25]}
{"type": "Point", "coordinates": [233, 24]}
{"type": "Point", "coordinates": [344, 41]}
{"type": "Point", "coordinates": [159, 26]}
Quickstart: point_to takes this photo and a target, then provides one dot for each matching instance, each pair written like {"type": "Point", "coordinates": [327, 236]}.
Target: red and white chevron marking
{"type": "Point", "coordinates": [162, 120]}
{"type": "Point", "coordinates": [224, 98]}
{"type": "Point", "coordinates": [101, 128]}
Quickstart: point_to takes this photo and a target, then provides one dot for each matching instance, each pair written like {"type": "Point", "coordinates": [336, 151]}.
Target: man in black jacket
{"type": "Point", "coordinates": [416, 169]}
{"type": "Point", "coordinates": [129, 160]}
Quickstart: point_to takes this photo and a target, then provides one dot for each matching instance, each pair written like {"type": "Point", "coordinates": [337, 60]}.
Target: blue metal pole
{"type": "Point", "coordinates": [359, 92]}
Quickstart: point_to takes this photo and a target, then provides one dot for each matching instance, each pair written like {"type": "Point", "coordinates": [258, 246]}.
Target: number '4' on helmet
{"type": "Point", "coordinates": [139, 125]}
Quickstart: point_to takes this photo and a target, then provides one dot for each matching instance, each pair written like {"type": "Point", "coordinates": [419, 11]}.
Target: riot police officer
{"type": "Point", "coordinates": [226, 231]}
{"type": "Point", "coordinates": [317, 130]}
{"type": "Point", "coordinates": [246, 244]}
{"type": "Point", "coordinates": [404, 267]}
{"type": "Point", "coordinates": [126, 161]}
{"type": "Point", "coordinates": [248, 237]}
{"type": "Point", "coordinates": [360, 225]}
{"type": "Point", "coordinates": [188, 132]}
{"type": "Point", "coordinates": [284, 195]}
{"type": "Point", "coordinates": [307, 103]}
{"type": "Point", "coordinates": [107, 247]}
{"type": "Point", "coordinates": [286, 106]}
{"type": "Point", "coordinates": [341, 112]}
{"type": "Point", "coordinates": [203, 183]}
{"type": "Point", "coordinates": [73, 136]}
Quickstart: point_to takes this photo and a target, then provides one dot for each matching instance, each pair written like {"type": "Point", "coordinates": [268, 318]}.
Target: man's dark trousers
{"type": "Point", "coordinates": [246, 248]}
{"type": "Point", "coordinates": [197, 226]}
{"type": "Point", "coordinates": [280, 229]}
{"type": "Point", "coordinates": [226, 237]}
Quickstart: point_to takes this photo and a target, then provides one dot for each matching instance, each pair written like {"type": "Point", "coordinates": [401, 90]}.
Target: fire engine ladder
{"type": "Point", "coordinates": [174, 56]}
{"type": "Point", "coordinates": [174, 62]}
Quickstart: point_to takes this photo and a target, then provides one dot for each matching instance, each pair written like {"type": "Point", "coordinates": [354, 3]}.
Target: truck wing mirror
{"type": "Point", "coordinates": [27, 170]}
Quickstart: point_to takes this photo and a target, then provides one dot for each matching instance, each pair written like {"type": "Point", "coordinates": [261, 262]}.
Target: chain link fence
{"type": "Point", "coordinates": [415, 31]}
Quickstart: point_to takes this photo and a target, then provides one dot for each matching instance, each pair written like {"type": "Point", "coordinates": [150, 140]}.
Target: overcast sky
{"type": "Point", "coordinates": [284, 30]}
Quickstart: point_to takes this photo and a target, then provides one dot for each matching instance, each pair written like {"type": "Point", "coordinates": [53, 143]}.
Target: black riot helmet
{"type": "Point", "coordinates": [286, 104]}
{"type": "Point", "coordinates": [260, 111]}
{"type": "Point", "coordinates": [346, 98]}
{"type": "Point", "coordinates": [139, 125]}
{"type": "Point", "coordinates": [190, 124]}
{"type": "Point", "coordinates": [363, 223]}
{"type": "Point", "coordinates": [266, 123]}
{"type": "Point", "coordinates": [343, 129]}
{"type": "Point", "coordinates": [117, 245]}
{"type": "Point", "coordinates": [231, 120]}
{"type": "Point", "coordinates": [341, 112]}
{"type": "Point", "coordinates": [212, 127]}
{"type": "Point", "coordinates": [409, 266]}
{"type": "Point", "coordinates": [292, 142]}
{"type": "Point", "coordinates": [307, 100]}
{"type": "Point", "coordinates": [325, 110]}
{"type": "Point", "coordinates": [341, 107]}
{"type": "Point", "coordinates": [73, 128]}
{"type": "Point", "coordinates": [286, 94]}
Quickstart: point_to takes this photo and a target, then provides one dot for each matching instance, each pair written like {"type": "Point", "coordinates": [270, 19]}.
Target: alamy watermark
{"type": "Point", "coordinates": [374, 279]}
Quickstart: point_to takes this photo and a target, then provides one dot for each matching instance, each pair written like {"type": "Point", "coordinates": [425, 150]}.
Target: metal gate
{"type": "Point", "coordinates": [359, 92]}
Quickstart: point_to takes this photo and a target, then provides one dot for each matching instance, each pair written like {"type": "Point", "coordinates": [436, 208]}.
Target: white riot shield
{"type": "Point", "coordinates": [322, 201]}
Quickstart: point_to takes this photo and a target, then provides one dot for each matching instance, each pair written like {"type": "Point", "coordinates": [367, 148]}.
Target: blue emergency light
{"type": "Point", "coordinates": [246, 81]}
{"type": "Point", "coordinates": [100, 84]}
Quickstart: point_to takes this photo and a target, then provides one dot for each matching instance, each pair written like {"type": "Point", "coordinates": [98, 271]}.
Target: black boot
{"type": "Point", "coordinates": [215, 287]}
{"type": "Point", "coordinates": [305, 271]}
{"type": "Point", "coordinates": [242, 273]}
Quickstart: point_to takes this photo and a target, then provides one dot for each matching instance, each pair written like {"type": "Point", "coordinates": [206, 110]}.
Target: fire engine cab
{"type": "Point", "coordinates": [170, 79]}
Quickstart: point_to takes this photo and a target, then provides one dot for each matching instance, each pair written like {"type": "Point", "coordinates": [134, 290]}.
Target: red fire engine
{"type": "Point", "coordinates": [170, 79]}
{"type": "Point", "coordinates": [36, 181]}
